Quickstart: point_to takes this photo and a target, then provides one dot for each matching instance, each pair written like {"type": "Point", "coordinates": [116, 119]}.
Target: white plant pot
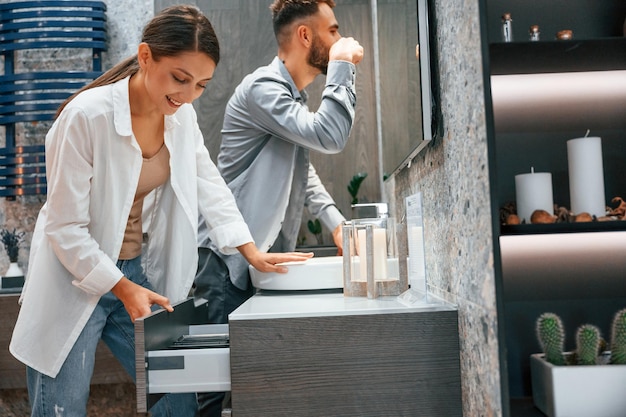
{"type": "Point", "coordinates": [14, 270]}
{"type": "Point", "coordinates": [578, 390]}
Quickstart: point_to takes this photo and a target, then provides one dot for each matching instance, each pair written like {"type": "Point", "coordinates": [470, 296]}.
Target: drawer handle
{"type": "Point", "coordinates": [166, 363]}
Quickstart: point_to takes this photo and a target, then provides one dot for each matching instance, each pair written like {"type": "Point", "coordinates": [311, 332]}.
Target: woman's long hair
{"type": "Point", "coordinates": [174, 30]}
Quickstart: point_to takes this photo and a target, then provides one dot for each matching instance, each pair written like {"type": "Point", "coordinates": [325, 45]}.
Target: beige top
{"type": "Point", "coordinates": [154, 172]}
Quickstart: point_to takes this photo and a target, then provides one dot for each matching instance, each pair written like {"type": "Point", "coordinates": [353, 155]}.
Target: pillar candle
{"type": "Point", "coordinates": [417, 263]}
{"type": "Point", "coordinates": [586, 176]}
{"type": "Point", "coordinates": [533, 192]}
{"type": "Point", "coordinates": [380, 254]}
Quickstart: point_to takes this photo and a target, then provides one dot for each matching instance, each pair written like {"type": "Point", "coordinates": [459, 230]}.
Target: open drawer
{"type": "Point", "coordinates": [179, 352]}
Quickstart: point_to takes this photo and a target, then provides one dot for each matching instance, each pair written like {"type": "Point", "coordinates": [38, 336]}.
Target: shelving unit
{"type": "Point", "coordinates": [557, 56]}
{"type": "Point", "coordinates": [542, 229]}
{"type": "Point", "coordinates": [576, 270]}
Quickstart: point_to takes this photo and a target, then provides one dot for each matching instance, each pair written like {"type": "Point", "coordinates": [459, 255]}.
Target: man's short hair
{"type": "Point", "coordinates": [286, 12]}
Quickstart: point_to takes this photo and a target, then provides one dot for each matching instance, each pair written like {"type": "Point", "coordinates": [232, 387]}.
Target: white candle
{"type": "Point", "coordinates": [393, 269]}
{"type": "Point", "coordinates": [586, 176]}
{"type": "Point", "coordinates": [380, 254]}
{"type": "Point", "coordinates": [417, 264]}
{"type": "Point", "coordinates": [533, 192]}
{"type": "Point", "coordinates": [362, 245]}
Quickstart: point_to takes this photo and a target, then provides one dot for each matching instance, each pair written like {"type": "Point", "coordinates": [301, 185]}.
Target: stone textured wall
{"type": "Point", "coordinates": [452, 175]}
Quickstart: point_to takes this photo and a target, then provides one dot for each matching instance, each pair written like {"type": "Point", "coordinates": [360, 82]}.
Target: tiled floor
{"type": "Point", "coordinates": [109, 400]}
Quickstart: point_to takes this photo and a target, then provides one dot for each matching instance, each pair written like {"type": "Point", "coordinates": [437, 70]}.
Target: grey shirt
{"type": "Point", "coordinates": [264, 156]}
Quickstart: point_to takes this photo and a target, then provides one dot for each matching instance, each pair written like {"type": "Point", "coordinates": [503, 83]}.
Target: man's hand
{"type": "Point", "coordinates": [267, 262]}
{"type": "Point", "coordinates": [338, 239]}
{"type": "Point", "coordinates": [346, 49]}
{"type": "Point", "coordinates": [137, 300]}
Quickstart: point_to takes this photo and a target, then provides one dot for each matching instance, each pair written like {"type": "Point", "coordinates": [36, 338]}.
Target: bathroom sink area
{"type": "Point", "coordinates": [313, 274]}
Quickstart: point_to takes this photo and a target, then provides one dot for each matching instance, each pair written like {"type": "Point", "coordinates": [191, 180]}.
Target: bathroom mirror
{"type": "Point", "coordinates": [403, 81]}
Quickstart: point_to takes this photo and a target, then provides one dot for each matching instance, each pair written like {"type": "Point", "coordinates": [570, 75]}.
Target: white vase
{"type": "Point", "coordinates": [14, 270]}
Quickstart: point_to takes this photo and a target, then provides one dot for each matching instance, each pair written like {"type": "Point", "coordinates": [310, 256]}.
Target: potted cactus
{"type": "Point", "coordinates": [588, 381]}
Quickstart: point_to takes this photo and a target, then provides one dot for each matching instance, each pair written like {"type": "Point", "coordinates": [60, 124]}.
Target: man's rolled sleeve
{"type": "Point", "coordinates": [331, 217]}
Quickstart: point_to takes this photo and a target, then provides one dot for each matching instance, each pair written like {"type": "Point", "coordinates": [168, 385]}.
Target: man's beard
{"type": "Point", "coordinates": [318, 55]}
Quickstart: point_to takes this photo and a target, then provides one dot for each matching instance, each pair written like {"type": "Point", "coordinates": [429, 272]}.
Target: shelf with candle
{"type": "Point", "coordinates": [534, 204]}
{"type": "Point", "coordinates": [564, 221]}
{"type": "Point", "coordinates": [593, 226]}
{"type": "Point", "coordinates": [557, 56]}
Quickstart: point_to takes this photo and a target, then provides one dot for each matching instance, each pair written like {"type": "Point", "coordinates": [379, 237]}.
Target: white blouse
{"type": "Point", "coordinates": [93, 164]}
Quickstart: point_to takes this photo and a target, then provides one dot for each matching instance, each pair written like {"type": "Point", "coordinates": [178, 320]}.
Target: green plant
{"type": "Point", "coordinates": [551, 336]}
{"type": "Point", "coordinates": [587, 344]}
{"type": "Point", "coordinates": [590, 345]}
{"type": "Point", "coordinates": [315, 227]}
{"type": "Point", "coordinates": [618, 338]}
{"type": "Point", "coordinates": [354, 185]}
{"type": "Point", "coordinates": [11, 241]}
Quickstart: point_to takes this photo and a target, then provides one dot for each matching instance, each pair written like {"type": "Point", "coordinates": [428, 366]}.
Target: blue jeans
{"type": "Point", "coordinates": [67, 394]}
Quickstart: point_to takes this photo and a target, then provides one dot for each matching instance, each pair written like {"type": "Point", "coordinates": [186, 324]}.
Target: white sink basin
{"type": "Point", "coordinates": [313, 274]}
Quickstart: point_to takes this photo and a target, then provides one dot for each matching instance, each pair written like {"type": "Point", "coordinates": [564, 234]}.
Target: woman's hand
{"type": "Point", "coordinates": [266, 262]}
{"type": "Point", "coordinates": [137, 300]}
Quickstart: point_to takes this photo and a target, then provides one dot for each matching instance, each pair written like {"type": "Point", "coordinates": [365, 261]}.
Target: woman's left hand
{"type": "Point", "coordinates": [269, 262]}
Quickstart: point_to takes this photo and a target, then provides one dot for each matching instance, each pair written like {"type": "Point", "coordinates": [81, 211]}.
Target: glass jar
{"type": "Point", "coordinates": [507, 27]}
{"type": "Point", "coordinates": [533, 33]}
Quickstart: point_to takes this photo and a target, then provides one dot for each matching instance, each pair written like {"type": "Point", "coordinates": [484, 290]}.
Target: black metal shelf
{"type": "Point", "coordinates": [554, 228]}
{"type": "Point", "coordinates": [558, 56]}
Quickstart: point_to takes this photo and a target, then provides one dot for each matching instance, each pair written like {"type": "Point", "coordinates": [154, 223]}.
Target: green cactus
{"type": "Point", "coordinates": [618, 338]}
{"type": "Point", "coordinates": [587, 344]}
{"type": "Point", "coordinates": [604, 346]}
{"type": "Point", "coordinates": [551, 337]}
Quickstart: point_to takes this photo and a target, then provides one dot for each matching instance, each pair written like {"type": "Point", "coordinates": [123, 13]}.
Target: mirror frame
{"type": "Point", "coordinates": [425, 94]}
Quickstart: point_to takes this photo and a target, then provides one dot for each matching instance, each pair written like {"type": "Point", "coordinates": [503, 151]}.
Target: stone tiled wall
{"type": "Point", "coordinates": [452, 174]}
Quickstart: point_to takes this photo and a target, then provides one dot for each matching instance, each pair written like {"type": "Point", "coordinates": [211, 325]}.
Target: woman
{"type": "Point", "coordinates": [131, 132]}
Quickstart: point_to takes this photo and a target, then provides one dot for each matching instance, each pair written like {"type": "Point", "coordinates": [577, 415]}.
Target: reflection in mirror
{"type": "Point", "coordinates": [404, 105]}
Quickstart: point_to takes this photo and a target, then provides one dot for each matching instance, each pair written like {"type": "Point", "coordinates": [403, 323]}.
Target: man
{"type": "Point", "coordinates": [264, 157]}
